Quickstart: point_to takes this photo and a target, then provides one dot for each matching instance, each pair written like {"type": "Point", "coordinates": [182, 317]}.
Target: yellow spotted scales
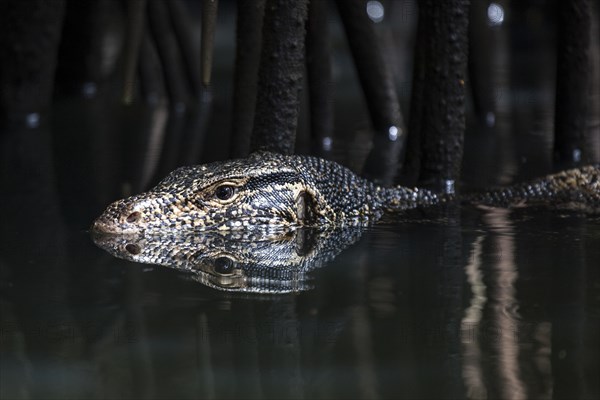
{"type": "Point", "coordinates": [274, 190]}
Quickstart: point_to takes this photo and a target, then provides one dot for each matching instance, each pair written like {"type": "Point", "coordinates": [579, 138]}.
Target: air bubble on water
{"type": "Point", "coordinates": [375, 11]}
{"type": "Point", "coordinates": [32, 120]}
{"type": "Point", "coordinates": [495, 14]}
{"type": "Point", "coordinates": [393, 133]}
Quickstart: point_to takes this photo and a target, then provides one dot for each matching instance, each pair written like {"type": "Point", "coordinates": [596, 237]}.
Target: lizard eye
{"type": "Point", "coordinates": [224, 192]}
{"type": "Point", "coordinates": [224, 265]}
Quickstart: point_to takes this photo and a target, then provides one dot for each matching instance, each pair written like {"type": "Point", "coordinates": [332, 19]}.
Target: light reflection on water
{"type": "Point", "coordinates": [505, 317]}
{"type": "Point", "coordinates": [472, 373]}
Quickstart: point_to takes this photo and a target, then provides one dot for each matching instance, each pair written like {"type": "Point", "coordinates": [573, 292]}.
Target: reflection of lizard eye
{"type": "Point", "coordinates": [133, 248]}
{"type": "Point", "coordinates": [224, 265]}
{"type": "Point", "coordinates": [224, 192]}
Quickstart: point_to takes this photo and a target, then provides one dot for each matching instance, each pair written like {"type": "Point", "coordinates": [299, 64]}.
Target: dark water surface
{"type": "Point", "coordinates": [470, 303]}
{"type": "Point", "coordinates": [489, 303]}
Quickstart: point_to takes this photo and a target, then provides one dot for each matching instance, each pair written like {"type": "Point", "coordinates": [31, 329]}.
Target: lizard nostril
{"type": "Point", "coordinates": [134, 217]}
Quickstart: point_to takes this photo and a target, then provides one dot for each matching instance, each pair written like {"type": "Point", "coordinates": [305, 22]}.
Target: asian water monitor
{"type": "Point", "coordinates": [275, 190]}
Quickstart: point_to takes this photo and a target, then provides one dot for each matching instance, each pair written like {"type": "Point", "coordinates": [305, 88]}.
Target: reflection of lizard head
{"type": "Point", "coordinates": [251, 261]}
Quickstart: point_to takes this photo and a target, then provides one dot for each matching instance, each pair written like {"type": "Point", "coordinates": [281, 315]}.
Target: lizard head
{"type": "Point", "coordinates": [262, 190]}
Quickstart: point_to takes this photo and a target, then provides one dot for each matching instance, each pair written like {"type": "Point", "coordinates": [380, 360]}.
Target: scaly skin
{"type": "Point", "coordinates": [575, 189]}
{"type": "Point", "coordinates": [280, 191]}
{"type": "Point", "coordinates": [269, 190]}
{"type": "Point", "coordinates": [242, 261]}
